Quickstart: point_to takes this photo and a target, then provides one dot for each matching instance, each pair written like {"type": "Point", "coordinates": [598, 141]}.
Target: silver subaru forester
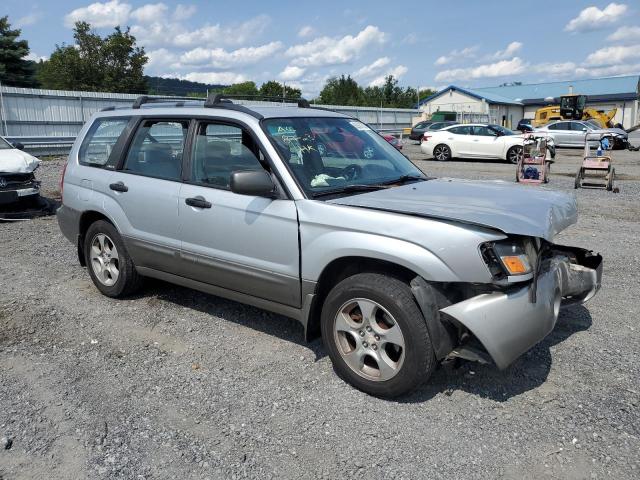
{"type": "Point", "coordinates": [313, 215]}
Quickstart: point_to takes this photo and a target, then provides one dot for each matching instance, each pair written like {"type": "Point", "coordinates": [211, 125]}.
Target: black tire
{"type": "Point", "coordinates": [442, 152]}
{"type": "Point", "coordinates": [128, 280]}
{"type": "Point", "coordinates": [395, 296]}
{"type": "Point", "coordinates": [512, 154]}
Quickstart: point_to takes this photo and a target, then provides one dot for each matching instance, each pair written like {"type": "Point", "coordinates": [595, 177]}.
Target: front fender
{"type": "Point", "coordinates": [320, 250]}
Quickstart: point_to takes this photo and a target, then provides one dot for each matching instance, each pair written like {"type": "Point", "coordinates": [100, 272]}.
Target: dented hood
{"type": "Point", "coordinates": [13, 160]}
{"type": "Point", "coordinates": [510, 208]}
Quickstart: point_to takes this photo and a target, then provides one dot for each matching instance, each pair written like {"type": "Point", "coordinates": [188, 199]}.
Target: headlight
{"type": "Point", "coordinates": [506, 257]}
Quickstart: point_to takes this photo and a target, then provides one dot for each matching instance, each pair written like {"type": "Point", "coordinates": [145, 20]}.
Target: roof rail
{"type": "Point", "coordinates": [218, 98]}
{"type": "Point", "coordinates": [143, 99]}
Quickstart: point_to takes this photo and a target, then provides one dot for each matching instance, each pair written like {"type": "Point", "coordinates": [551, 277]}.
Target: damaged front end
{"type": "Point", "coordinates": [508, 318]}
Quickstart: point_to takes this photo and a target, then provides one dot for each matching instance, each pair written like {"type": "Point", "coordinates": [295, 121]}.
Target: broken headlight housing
{"type": "Point", "coordinates": [506, 258]}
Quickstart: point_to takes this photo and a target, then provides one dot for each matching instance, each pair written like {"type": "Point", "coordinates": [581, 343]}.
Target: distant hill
{"type": "Point", "coordinates": [182, 88]}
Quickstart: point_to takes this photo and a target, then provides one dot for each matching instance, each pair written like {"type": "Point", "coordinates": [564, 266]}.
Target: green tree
{"type": "Point", "coordinates": [14, 69]}
{"type": "Point", "coordinates": [243, 88]}
{"type": "Point", "coordinates": [110, 64]}
{"type": "Point", "coordinates": [341, 91]}
{"type": "Point", "coordinates": [275, 89]}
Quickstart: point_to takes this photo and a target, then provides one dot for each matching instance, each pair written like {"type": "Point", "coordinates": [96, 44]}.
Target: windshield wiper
{"type": "Point", "coordinates": [404, 179]}
{"type": "Point", "coordinates": [350, 189]}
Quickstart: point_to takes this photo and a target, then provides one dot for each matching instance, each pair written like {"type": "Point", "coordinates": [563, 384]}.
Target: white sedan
{"type": "Point", "coordinates": [474, 140]}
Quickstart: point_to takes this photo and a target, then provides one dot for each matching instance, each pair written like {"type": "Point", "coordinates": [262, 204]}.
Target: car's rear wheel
{"type": "Point", "coordinates": [514, 154]}
{"type": "Point", "coordinates": [376, 335]}
{"type": "Point", "coordinates": [108, 262]}
{"type": "Point", "coordinates": [442, 153]}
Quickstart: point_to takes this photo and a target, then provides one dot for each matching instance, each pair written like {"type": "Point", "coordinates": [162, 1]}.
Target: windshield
{"type": "Point", "coordinates": [504, 131]}
{"type": "Point", "coordinates": [337, 154]}
{"type": "Point", "coordinates": [4, 144]}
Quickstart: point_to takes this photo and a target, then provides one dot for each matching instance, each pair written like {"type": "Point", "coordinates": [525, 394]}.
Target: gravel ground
{"type": "Point", "coordinates": [178, 384]}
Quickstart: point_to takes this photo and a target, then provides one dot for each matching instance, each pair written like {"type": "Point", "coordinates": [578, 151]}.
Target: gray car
{"type": "Point", "coordinates": [398, 272]}
{"type": "Point", "coordinates": [571, 133]}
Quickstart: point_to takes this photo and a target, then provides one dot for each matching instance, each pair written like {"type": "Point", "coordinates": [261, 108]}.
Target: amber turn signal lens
{"type": "Point", "coordinates": [516, 264]}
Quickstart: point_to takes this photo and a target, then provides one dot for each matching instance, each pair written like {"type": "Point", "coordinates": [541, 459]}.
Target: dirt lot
{"type": "Point", "coordinates": [177, 384]}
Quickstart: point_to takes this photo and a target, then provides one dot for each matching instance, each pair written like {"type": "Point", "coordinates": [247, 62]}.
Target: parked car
{"type": "Point", "coordinates": [439, 126]}
{"type": "Point", "coordinates": [338, 141]}
{"type": "Point", "coordinates": [395, 141]}
{"type": "Point", "coordinates": [395, 270]}
{"type": "Point", "coordinates": [475, 141]}
{"type": "Point", "coordinates": [524, 125]}
{"type": "Point", "coordinates": [418, 129]}
{"type": "Point", "coordinates": [18, 183]}
{"type": "Point", "coordinates": [571, 133]}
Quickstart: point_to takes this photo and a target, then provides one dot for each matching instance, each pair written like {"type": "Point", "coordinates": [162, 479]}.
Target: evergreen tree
{"type": "Point", "coordinates": [14, 69]}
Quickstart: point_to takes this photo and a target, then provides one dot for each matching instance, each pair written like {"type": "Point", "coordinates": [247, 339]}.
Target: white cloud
{"type": "Point", "coordinates": [35, 57]}
{"type": "Point", "coordinates": [508, 52]}
{"type": "Point", "coordinates": [502, 68]}
{"type": "Point", "coordinates": [455, 55]}
{"type": "Point", "coordinates": [613, 55]}
{"type": "Point", "coordinates": [149, 13]}
{"type": "Point", "coordinates": [625, 34]}
{"type": "Point", "coordinates": [373, 68]}
{"type": "Point", "coordinates": [324, 51]}
{"type": "Point", "coordinates": [221, 78]}
{"type": "Point", "coordinates": [30, 19]}
{"type": "Point", "coordinates": [411, 39]}
{"type": "Point", "coordinates": [561, 69]}
{"type": "Point", "coordinates": [611, 71]}
{"type": "Point", "coordinates": [592, 18]}
{"type": "Point", "coordinates": [229, 35]}
{"type": "Point", "coordinates": [220, 58]}
{"type": "Point", "coordinates": [99, 15]}
{"type": "Point", "coordinates": [292, 72]}
{"type": "Point", "coordinates": [184, 12]}
{"type": "Point", "coordinates": [306, 31]}
{"type": "Point", "coordinates": [397, 73]}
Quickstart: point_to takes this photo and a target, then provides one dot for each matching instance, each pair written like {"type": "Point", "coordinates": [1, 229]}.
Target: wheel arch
{"type": "Point", "coordinates": [341, 268]}
{"type": "Point", "coordinates": [86, 220]}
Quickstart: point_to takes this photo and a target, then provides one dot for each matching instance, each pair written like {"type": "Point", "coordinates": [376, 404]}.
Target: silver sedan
{"type": "Point", "coordinates": [571, 133]}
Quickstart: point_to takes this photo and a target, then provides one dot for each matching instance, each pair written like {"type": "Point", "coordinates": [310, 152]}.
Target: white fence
{"type": "Point", "coordinates": [48, 119]}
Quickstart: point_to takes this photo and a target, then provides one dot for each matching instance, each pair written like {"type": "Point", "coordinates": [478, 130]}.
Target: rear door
{"type": "Point", "coordinates": [146, 186]}
{"type": "Point", "coordinates": [244, 243]}
{"type": "Point", "coordinates": [562, 134]}
{"type": "Point", "coordinates": [460, 140]}
{"type": "Point", "coordinates": [578, 133]}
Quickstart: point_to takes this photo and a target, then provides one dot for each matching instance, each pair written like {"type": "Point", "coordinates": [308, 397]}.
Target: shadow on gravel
{"type": "Point", "coordinates": [265, 322]}
{"type": "Point", "coordinates": [528, 372]}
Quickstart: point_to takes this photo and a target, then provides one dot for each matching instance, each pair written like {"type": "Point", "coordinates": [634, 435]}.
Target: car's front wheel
{"type": "Point", "coordinates": [376, 335]}
{"type": "Point", "coordinates": [108, 262]}
{"type": "Point", "coordinates": [442, 153]}
{"type": "Point", "coordinates": [514, 154]}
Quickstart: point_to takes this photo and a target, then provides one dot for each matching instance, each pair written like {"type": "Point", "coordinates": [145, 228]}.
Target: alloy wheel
{"type": "Point", "coordinates": [441, 153]}
{"type": "Point", "coordinates": [105, 261]}
{"type": "Point", "coordinates": [369, 339]}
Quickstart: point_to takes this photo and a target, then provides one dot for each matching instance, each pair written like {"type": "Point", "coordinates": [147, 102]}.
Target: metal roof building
{"type": "Point", "coordinates": [509, 103]}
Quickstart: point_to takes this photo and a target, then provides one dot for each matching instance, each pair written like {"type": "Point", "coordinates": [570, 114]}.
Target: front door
{"type": "Point", "coordinates": [146, 189]}
{"type": "Point", "coordinates": [244, 243]}
{"type": "Point", "coordinates": [485, 142]}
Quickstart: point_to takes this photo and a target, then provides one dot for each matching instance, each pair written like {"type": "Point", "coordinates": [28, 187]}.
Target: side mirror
{"type": "Point", "coordinates": [19, 146]}
{"type": "Point", "coordinates": [252, 182]}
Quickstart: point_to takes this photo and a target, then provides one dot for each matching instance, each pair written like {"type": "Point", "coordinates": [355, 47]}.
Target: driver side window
{"type": "Point", "coordinates": [156, 149]}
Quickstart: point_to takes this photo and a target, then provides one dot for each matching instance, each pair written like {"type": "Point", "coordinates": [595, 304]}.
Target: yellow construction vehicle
{"type": "Point", "coordinates": [572, 107]}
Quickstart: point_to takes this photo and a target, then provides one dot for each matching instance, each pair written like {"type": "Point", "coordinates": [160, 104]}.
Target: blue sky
{"type": "Point", "coordinates": [468, 43]}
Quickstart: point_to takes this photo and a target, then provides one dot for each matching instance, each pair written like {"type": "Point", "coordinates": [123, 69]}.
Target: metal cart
{"type": "Point", "coordinates": [533, 166]}
{"type": "Point", "coordinates": [599, 166]}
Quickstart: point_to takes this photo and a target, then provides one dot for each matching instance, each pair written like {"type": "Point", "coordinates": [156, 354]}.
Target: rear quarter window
{"type": "Point", "coordinates": [100, 139]}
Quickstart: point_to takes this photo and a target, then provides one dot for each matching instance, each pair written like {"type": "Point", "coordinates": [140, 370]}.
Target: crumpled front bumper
{"type": "Point", "coordinates": [509, 323]}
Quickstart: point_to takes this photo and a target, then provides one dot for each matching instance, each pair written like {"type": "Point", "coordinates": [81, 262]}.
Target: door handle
{"type": "Point", "coordinates": [119, 187]}
{"type": "Point", "coordinates": [476, 140]}
{"type": "Point", "coordinates": [198, 202]}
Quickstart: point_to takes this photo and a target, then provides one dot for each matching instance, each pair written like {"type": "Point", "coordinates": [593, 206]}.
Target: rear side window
{"type": "Point", "coordinates": [156, 149]}
{"type": "Point", "coordinates": [100, 140]}
{"type": "Point", "coordinates": [463, 130]}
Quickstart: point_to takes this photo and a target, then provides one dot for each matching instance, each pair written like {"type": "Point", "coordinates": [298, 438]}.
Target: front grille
{"type": "Point", "coordinates": [14, 181]}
